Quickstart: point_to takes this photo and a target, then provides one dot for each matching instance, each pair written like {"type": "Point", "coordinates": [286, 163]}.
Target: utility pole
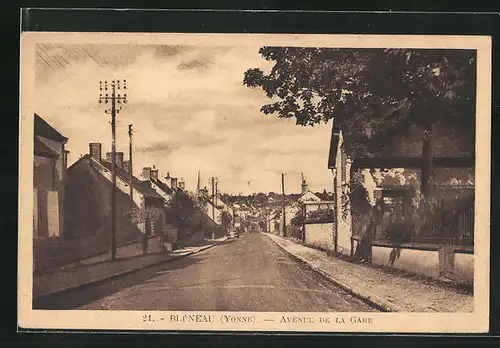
{"type": "Point", "coordinates": [215, 197]}
{"type": "Point", "coordinates": [283, 191]}
{"type": "Point", "coordinates": [213, 208]}
{"type": "Point", "coordinates": [198, 185]}
{"type": "Point", "coordinates": [130, 165]}
{"type": "Point", "coordinates": [114, 99]}
{"type": "Point", "coordinates": [216, 191]}
{"type": "Point", "coordinates": [265, 216]}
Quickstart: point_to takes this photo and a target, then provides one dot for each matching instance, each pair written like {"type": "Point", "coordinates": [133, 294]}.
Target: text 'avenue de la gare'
{"type": "Point", "coordinates": [326, 320]}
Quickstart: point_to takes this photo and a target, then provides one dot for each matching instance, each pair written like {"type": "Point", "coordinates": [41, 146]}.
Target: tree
{"type": "Point", "coordinates": [260, 197]}
{"type": "Point", "coordinates": [373, 95]}
{"type": "Point", "coordinates": [186, 212]}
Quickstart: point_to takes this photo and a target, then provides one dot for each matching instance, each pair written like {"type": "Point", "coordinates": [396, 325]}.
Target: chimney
{"type": "Point", "coordinates": [154, 174]}
{"type": "Point", "coordinates": [126, 166]}
{"type": "Point", "coordinates": [146, 173]}
{"type": "Point", "coordinates": [168, 180]}
{"type": "Point", "coordinates": [174, 183]}
{"type": "Point", "coordinates": [181, 184]}
{"type": "Point", "coordinates": [118, 157]}
{"type": "Point", "coordinates": [304, 186]}
{"type": "Point", "coordinates": [95, 151]}
{"type": "Point", "coordinates": [65, 159]}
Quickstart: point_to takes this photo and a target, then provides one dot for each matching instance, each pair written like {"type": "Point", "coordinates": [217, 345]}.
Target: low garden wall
{"type": "Point", "coordinates": [319, 235]}
{"type": "Point", "coordinates": [437, 261]}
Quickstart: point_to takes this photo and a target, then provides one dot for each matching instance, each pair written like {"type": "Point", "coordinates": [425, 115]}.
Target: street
{"type": "Point", "coordinates": [246, 274]}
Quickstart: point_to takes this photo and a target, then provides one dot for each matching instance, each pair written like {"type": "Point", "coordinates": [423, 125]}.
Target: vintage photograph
{"type": "Point", "coordinates": [180, 178]}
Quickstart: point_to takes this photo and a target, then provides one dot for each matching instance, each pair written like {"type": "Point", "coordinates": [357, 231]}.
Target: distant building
{"type": "Point", "coordinates": [216, 207]}
{"type": "Point", "coordinates": [274, 222]}
{"type": "Point", "coordinates": [49, 172]}
{"type": "Point", "coordinates": [294, 207]}
{"type": "Point", "coordinates": [306, 194]}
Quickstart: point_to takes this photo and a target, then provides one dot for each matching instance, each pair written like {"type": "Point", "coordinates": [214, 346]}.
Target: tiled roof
{"type": "Point", "coordinates": [164, 187]}
{"type": "Point", "coordinates": [45, 130]}
{"type": "Point", "coordinates": [43, 150]}
{"type": "Point", "coordinates": [309, 191]}
{"type": "Point", "coordinates": [142, 186]}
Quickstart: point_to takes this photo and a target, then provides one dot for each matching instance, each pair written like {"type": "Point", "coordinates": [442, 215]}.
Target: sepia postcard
{"type": "Point", "coordinates": [254, 182]}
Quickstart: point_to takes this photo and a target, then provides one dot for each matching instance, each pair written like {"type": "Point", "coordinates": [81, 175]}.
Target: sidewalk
{"type": "Point", "coordinates": [391, 292]}
{"type": "Point", "coordinates": [99, 268]}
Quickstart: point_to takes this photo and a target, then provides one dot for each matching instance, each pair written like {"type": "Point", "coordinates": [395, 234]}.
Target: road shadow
{"type": "Point", "coordinates": [118, 259]}
{"type": "Point", "coordinates": [74, 298]}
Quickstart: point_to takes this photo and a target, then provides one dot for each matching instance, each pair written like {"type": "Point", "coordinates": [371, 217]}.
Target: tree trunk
{"type": "Point", "coordinates": [427, 162]}
{"type": "Point", "coordinates": [363, 251]}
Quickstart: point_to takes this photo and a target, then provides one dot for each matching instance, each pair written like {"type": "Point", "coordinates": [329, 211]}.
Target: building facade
{"type": "Point", "coordinates": [49, 173]}
{"type": "Point", "coordinates": [90, 179]}
{"type": "Point", "coordinates": [422, 205]}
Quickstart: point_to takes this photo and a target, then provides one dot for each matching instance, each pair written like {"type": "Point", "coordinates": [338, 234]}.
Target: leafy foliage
{"type": "Point", "coordinates": [320, 215]}
{"type": "Point", "coordinates": [298, 219]}
{"type": "Point", "coordinates": [184, 209]}
{"type": "Point", "coordinates": [141, 215]}
{"type": "Point", "coordinates": [373, 94]}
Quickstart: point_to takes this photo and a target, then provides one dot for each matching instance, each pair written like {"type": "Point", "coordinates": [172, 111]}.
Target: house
{"type": "Point", "coordinates": [90, 179]}
{"type": "Point", "coordinates": [164, 189]}
{"type": "Point", "coordinates": [307, 195]}
{"type": "Point", "coordinates": [49, 172]}
{"type": "Point", "coordinates": [214, 208]}
{"type": "Point", "coordinates": [309, 219]}
{"type": "Point", "coordinates": [223, 206]}
{"type": "Point", "coordinates": [274, 222]}
{"type": "Point", "coordinates": [391, 178]}
{"type": "Point", "coordinates": [294, 208]}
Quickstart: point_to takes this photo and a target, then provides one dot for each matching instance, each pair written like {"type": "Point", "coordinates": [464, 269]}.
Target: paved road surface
{"type": "Point", "coordinates": [247, 274]}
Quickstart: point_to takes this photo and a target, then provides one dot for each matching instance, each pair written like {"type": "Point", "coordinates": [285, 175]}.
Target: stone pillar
{"type": "Point", "coordinates": [446, 261]}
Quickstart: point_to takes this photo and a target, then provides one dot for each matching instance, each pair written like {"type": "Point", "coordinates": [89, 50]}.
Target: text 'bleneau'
{"type": "Point", "coordinates": [192, 318]}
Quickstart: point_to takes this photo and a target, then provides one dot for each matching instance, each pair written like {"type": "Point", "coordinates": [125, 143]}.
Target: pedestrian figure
{"type": "Point", "coordinates": [394, 255]}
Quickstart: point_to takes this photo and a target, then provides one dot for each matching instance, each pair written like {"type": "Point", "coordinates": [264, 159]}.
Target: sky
{"type": "Point", "coordinates": [190, 112]}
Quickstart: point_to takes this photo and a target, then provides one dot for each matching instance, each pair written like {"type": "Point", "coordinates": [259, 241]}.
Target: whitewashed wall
{"type": "Point", "coordinates": [319, 235]}
{"type": "Point", "coordinates": [426, 262]}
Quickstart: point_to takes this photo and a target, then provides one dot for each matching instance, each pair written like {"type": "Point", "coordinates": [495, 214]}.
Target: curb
{"type": "Point", "coordinates": [119, 274]}
{"type": "Point", "coordinates": [51, 269]}
{"type": "Point", "coordinates": [371, 300]}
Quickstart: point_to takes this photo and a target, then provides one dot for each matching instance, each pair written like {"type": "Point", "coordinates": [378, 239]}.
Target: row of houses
{"type": "Point", "coordinates": [72, 205]}
{"type": "Point", "coordinates": [222, 215]}
{"type": "Point", "coordinates": [378, 198]}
